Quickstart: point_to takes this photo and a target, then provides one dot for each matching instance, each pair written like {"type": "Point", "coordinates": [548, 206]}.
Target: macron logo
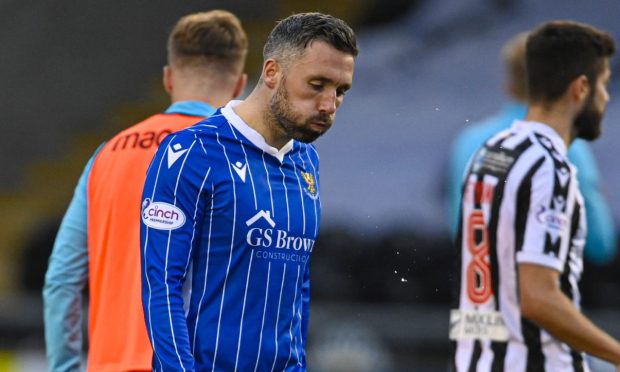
{"type": "Point", "coordinates": [240, 169]}
{"type": "Point", "coordinates": [174, 153]}
{"type": "Point", "coordinates": [563, 176]}
{"type": "Point", "coordinates": [262, 214]}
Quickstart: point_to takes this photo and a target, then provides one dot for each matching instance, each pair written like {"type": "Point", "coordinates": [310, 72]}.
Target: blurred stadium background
{"type": "Point", "coordinates": [77, 72]}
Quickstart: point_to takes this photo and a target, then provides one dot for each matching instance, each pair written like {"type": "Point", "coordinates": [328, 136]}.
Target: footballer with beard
{"type": "Point", "coordinates": [522, 223]}
{"type": "Point", "coordinates": [231, 211]}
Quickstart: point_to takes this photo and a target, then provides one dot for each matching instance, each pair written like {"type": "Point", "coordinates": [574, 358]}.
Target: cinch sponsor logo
{"type": "Point", "coordinates": [143, 140]}
{"type": "Point", "coordinates": [162, 216]}
{"type": "Point", "coordinates": [272, 237]}
{"type": "Point", "coordinates": [551, 219]}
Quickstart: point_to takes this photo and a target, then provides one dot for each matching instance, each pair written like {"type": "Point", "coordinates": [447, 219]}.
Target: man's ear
{"type": "Point", "coordinates": [167, 79]}
{"type": "Point", "coordinates": [580, 89]}
{"type": "Point", "coordinates": [271, 73]}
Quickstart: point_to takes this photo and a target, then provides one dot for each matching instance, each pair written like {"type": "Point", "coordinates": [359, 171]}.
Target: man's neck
{"type": "Point", "coordinates": [211, 100]}
{"type": "Point", "coordinates": [555, 117]}
{"type": "Point", "coordinates": [255, 113]}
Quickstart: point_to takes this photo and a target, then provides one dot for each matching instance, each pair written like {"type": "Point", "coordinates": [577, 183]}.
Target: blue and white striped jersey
{"type": "Point", "coordinates": [228, 226]}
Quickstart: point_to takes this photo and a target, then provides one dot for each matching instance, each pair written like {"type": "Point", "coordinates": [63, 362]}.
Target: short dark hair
{"type": "Point", "coordinates": [293, 34]}
{"type": "Point", "coordinates": [558, 52]}
{"type": "Point", "coordinates": [214, 39]}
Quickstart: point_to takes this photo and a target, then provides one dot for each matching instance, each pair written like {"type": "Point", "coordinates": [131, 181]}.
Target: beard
{"type": "Point", "coordinates": [291, 122]}
{"type": "Point", "coordinates": [587, 124]}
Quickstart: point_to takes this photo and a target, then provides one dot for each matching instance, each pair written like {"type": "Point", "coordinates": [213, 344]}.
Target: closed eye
{"type": "Point", "coordinates": [316, 86]}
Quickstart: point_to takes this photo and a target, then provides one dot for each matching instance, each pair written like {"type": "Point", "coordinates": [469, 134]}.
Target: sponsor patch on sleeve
{"type": "Point", "coordinates": [162, 216]}
{"type": "Point", "coordinates": [553, 221]}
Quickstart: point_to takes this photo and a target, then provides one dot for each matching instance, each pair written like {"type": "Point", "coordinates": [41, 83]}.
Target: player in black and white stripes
{"type": "Point", "coordinates": [523, 229]}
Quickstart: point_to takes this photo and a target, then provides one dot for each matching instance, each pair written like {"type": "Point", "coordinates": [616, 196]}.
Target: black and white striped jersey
{"type": "Point", "coordinates": [521, 204]}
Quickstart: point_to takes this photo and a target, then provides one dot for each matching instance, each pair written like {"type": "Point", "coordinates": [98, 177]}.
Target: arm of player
{"type": "Point", "coordinates": [171, 215]}
{"type": "Point", "coordinates": [543, 255]}
{"type": "Point", "coordinates": [543, 302]}
{"type": "Point", "coordinates": [66, 276]}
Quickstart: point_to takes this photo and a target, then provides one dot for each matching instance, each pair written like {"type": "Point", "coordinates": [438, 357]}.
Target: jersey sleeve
{"type": "Point", "coordinates": [171, 204]}
{"type": "Point", "coordinates": [547, 222]}
{"type": "Point", "coordinates": [66, 276]}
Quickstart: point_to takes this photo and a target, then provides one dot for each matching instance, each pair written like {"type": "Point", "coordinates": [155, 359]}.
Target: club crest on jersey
{"type": "Point", "coordinates": [162, 216]}
{"type": "Point", "coordinates": [311, 185]}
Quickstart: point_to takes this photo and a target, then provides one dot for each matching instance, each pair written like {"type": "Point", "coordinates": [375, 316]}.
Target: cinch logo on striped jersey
{"type": "Point", "coordinates": [270, 237]}
{"type": "Point", "coordinates": [162, 216]}
{"type": "Point", "coordinates": [553, 220]}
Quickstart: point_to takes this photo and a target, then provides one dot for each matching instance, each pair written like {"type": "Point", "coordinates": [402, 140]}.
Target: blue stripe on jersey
{"type": "Point", "coordinates": [240, 224]}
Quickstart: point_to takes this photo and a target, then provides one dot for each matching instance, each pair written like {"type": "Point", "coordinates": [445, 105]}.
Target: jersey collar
{"type": "Point", "coordinates": [545, 130]}
{"type": "Point", "coordinates": [191, 108]}
{"type": "Point", "coordinates": [252, 135]}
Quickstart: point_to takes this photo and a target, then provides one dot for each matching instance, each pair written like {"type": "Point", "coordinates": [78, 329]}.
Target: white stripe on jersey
{"type": "Point", "coordinates": [486, 357]}
{"type": "Point", "coordinates": [232, 244]}
{"type": "Point", "coordinates": [514, 356]}
{"type": "Point", "coordinates": [570, 208]}
{"type": "Point", "coordinates": [290, 328]}
{"type": "Point", "coordinates": [189, 280]}
{"type": "Point", "coordinates": [187, 288]}
{"type": "Point", "coordinates": [464, 352]}
{"type": "Point", "coordinates": [245, 295]}
{"type": "Point", "coordinates": [187, 285]}
{"type": "Point", "coordinates": [575, 262]}
{"type": "Point", "coordinates": [317, 200]}
{"type": "Point", "coordinates": [195, 127]}
{"type": "Point", "coordinates": [508, 297]}
{"type": "Point", "coordinates": [301, 195]}
{"type": "Point", "coordinates": [273, 212]}
{"type": "Point", "coordinates": [533, 244]}
{"type": "Point", "coordinates": [278, 319]}
{"type": "Point", "coordinates": [300, 339]}
{"type": "Point", "coordinates": [498, 137]}
{"type": "Point", "coordinates": [512, 142]}
{"type": "Point", "coordinates": [260, 339]}
{"type": "Point", "coordinates": [245, 154]}
{"type": "Point", "coordinates": [288, 214]}
{"type": "Point", "coordinates": [204, 288]}
{"type": "Point", "coordinates": [316, 214]}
